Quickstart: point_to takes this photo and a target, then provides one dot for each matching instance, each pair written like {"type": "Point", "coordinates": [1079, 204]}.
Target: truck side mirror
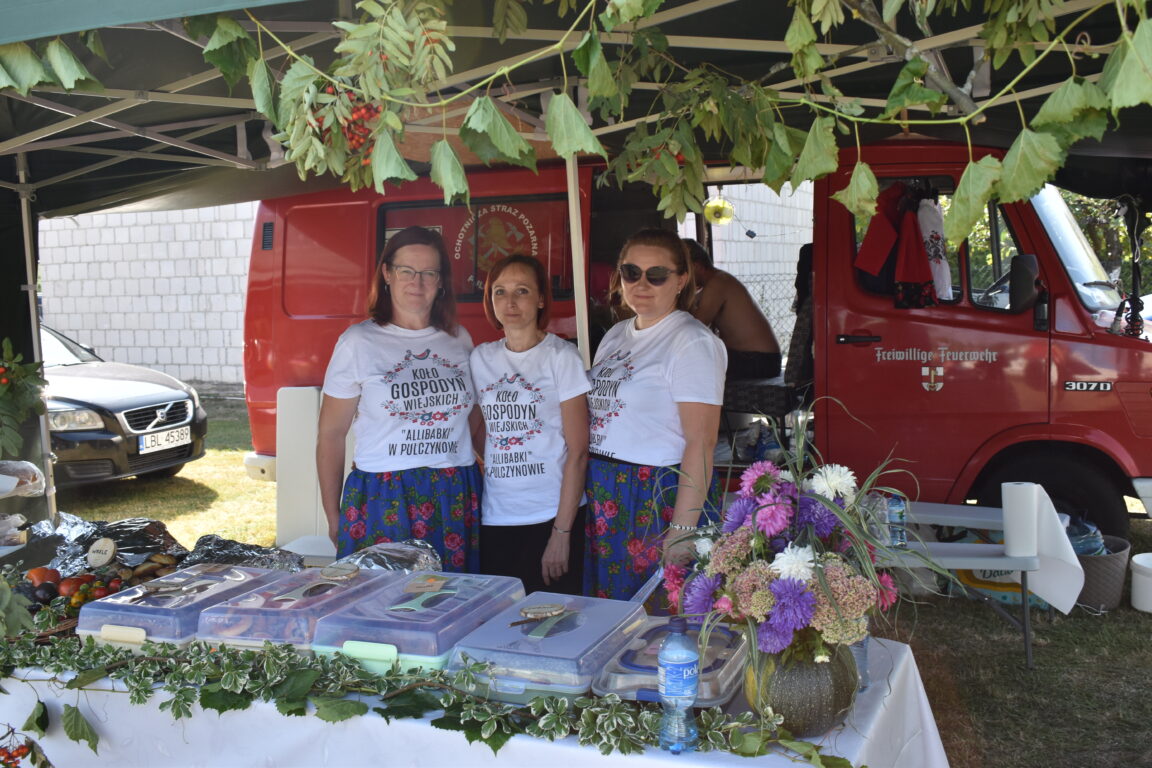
{"type": "Point", "coordinates": [1023, 277]}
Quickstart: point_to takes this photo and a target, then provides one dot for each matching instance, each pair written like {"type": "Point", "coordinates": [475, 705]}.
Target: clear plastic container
{"type": "Point", "coordinates": [287, 610]}
{"type": "Point", "coordinates": [416, 620]}
{"type": "Point", "coordinates": [631, 674]}
{"type": "Point", "coordinates": [556, 655]}
{"type": "Point", "coordinates": [166, 610]}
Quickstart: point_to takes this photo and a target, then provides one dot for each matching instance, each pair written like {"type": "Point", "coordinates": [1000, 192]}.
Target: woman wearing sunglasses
{"type": "Point", "coordinates": [400, 381]}
{"type": "Point", "coordinates": [657, 387]}
{"type": "Point", "coordinates": [531, 387]}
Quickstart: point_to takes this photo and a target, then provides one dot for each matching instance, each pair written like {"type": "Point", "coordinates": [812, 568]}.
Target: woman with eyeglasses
{"type": "Point", "coordinates": [531, 387]}
{"type": "Point", "coordinates": [400, 380]}
{"type": "Point", "coordinates": [657, 388]}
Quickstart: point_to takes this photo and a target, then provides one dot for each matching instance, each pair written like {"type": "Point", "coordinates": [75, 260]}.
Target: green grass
{"type": "Point", "coordinates": [1085, 705]}
{"type": "Point", "coordinates": [212, 495]}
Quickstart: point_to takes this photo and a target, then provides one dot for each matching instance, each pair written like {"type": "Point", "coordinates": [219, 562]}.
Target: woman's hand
{"type": "Point", "coordinates": [679, 547]}
{"type": "Point", "coordinates": [554, 563]}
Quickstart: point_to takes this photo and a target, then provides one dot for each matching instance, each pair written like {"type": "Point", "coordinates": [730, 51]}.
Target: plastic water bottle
{"type": "Point", "coordinates": [678, 665]}
{"type": "Point", "coordinates": [897, 533]}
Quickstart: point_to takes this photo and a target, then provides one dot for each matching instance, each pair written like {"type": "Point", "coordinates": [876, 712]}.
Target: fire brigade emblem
{"type": "Point", "coordinates": [933, 377]}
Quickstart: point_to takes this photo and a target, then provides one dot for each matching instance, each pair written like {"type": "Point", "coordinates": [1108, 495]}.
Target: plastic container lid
{"type": "Point", "coordinates": [421, 614]}
{"type": "Point", "coordinates": [287, 610]}
{"type": "Point", "coordinates": [632, 673]}
{"type": "Point", "coordinates": [167, 609]}
{"type": "Point", "coordinates": [562, 651]}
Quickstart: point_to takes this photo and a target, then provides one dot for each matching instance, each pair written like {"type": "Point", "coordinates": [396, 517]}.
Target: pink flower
{"type": "Point", "coordinates": [643, 474]}
{"type": "Point", "coordinates": [358, 530]}
{"type": "Point", "coordinates": [666, 514]}
{"type": "Point", "coordinates": [758, 478]}
{"type": "Point", "coordinates": [413, 511]}
{"type": "Point", "coordinates": [386, 477]}
{"type": "Point", "coordinates": [887, 594]}
{"type": "Point", "coordinates": [673, 583]}
{"type": "Point", "coordinates": [635, 547]}
{"type": "Point", "coordinates": [419, 529]}
{"type": "Point", "coordinates": [773, 515]}
{"type": "Point", "coordinates": [351, 514]}
{"type": "Point", "coordinates": [601, 527]}
{"type": "Point", "coordinates": [610, 509]}
{"type": "Point", "coordinates": [449, 472]}
{"type": "Point", "coordinates": [722, 604]}
{"type": "Point", "coordinates": [458, 558]}
{"type": "Point", "coordinates": [640, 564]}
{"type": "Point", "coordinates": [454, 541]}
{"type": "Point", "coordinates": [426, 510]}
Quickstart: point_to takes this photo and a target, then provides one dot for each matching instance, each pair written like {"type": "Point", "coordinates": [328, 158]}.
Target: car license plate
{"type": "Point", "coordinates": [172, 438]}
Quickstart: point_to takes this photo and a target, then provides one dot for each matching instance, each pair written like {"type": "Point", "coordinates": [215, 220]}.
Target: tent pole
{"type": "Point", "coordinates": [29, 288]}
{"type": "Point", "coordinates": [579, 267]}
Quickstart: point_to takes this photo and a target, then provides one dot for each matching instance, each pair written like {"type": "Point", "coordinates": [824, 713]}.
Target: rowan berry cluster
{"type": "Point", "coordinates": [10, 757]}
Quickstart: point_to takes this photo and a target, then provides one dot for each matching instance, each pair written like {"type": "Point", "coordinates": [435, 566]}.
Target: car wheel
{"type": "Point", "coordinates": [1074, 487]}
{"type": "Point", "coordinates": [160, 474]}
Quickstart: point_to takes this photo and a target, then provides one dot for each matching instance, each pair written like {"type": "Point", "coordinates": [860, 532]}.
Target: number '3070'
{"type": "Point", "coordinates": [1087, 386]}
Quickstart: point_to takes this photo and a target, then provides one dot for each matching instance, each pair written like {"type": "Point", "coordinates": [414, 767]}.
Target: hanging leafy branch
{"type": "Point", "coordinates": [349, 118]}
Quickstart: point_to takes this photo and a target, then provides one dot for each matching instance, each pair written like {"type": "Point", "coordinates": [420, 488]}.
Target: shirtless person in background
{"type": "Point", "coordinates": [725, 306]}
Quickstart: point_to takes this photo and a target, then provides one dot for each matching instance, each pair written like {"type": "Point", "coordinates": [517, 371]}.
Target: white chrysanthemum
{"type": "Point", "coordinates": [822, 659]}
{"type": "Point", "coordinates": [703, 547]}
{"type": "Point", "coordinates": [794, 563]}
{"type": "Point", "coordinates": [786, 476]}
{"type": "Point", "coordinates": [832, 480]}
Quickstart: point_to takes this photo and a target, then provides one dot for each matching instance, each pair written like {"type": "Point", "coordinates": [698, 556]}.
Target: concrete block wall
{"type": "Point", "coordinates": [161, 289]}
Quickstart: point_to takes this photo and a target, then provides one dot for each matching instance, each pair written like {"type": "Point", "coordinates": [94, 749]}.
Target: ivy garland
{"type": "Point", "coordinates": [336, 688]}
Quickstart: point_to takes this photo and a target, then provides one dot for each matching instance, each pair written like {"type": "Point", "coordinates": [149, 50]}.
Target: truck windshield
{"type": "Point", "coordinates": [1083, 267]}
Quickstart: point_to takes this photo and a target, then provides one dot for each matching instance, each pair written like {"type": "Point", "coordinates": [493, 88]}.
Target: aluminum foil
{"type": "Point", "coordinates": [136, 539]}
{"type": "Point", "coordinates": [213, 549]}
{"type": "Point", "coordinates": [407, 556]}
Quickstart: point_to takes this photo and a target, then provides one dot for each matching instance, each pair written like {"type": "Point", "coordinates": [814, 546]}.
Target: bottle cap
{"type": "Point", "coordinates": [677, 625]}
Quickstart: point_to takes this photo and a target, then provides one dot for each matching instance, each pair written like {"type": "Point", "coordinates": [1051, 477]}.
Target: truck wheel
{"type": "Point", "coordinates": [1074, 487]}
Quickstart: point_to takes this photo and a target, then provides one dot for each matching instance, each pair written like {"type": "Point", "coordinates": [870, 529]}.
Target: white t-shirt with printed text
{"type": "Point", "coordinates": [524, 452]}
{"type": "Point", "coordinates": [415, 393]}
{"type": "Point", "coordinates": [638, 379]}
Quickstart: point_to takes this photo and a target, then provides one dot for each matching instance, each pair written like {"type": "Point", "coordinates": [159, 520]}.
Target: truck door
{"type": "Point", "coordinates": [926, 385]}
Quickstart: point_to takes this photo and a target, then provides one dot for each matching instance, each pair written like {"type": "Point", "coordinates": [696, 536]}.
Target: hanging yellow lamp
{"type": "Point", "coordinates": [719, 211]}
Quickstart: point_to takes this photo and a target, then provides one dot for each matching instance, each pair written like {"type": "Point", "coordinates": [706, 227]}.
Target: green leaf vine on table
{"type": "Point", "coordinates": [335, 688]}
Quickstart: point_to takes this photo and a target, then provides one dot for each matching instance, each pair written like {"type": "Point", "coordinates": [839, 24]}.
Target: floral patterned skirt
{"type": "Point", "coordinates": [629, 506]}
{"type": "Point", "coordinates": [440, 506]}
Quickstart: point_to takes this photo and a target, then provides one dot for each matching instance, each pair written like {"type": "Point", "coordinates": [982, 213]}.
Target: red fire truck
{"type": "Point", "coordinates": [1013, 374]}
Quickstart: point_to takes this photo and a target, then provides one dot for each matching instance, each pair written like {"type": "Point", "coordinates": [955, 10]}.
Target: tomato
{"type": "Point", "coordinates": [114, 585]}
{"type": "Point", "coordinates": [40, 575]}
{"type": "Point", "coordinates": [70, 586]}
{"type": "Point", "coordinates": [87, 578]}
{"type": "Point", "coordinates": [99, 592]}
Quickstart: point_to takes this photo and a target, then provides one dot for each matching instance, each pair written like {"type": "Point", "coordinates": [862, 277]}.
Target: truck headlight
{"type": "Point", "coordinates": [73, 419]}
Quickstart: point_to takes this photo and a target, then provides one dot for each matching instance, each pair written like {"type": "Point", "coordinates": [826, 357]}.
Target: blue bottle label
{"type": "Point", "coordinates": [677, 679]}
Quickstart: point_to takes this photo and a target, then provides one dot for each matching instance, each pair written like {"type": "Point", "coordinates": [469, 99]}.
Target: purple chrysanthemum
{"type": "Point", "coordinates": [811, 512]}
{"type": "Point", "coordinates": [771, 639]}
{"type": "Point", "coordinates": [794, 604]}
{"type": "Point", "coordinates": [698, 594]}
{"type": "Point", "coordinates": [736, 513]}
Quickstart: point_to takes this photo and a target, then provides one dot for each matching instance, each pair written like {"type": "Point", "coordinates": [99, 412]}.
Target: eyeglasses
{"type": "Point", "coordinates": [657, 276]}
{"type": "Point", "coordinates": [407, 274]}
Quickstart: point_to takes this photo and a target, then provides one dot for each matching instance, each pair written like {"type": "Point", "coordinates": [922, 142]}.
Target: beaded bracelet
{"type": "Point", "coordinates": [678, 527]}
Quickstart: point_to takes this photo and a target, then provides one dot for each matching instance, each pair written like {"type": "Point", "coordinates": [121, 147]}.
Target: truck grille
{"type": "Point", "coordinates": [142, 419]}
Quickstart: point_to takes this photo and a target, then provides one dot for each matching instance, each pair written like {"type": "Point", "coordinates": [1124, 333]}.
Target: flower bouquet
{"type": "Point", "coordinates": [793, 561]}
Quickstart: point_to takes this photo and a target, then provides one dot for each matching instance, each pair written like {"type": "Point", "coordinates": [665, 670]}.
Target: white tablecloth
{"type": "Point", "coordinates": [891, 726]}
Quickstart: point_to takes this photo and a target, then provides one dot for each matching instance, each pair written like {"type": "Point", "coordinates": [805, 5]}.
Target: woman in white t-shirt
{"type": "Point", "coordinates": [657, 388]}
{"type": "Point", "coordinates": [400, 381]}
{"type": "Point", "coordinates": [531, 387]}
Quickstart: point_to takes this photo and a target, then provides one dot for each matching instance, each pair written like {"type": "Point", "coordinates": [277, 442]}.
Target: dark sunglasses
{"type": "Point", "coordinates": [656, 276]}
